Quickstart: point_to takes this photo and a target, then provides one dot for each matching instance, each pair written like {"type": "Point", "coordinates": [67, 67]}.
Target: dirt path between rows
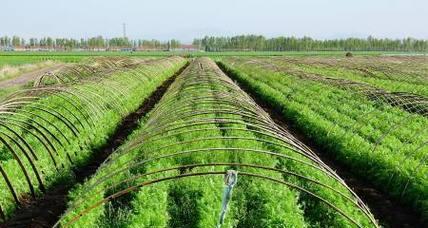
{"type": "Point", "coordinates": [46, 210]}
{"type": "Point", "coordinates": [389, 212]}
{"type": "Point", "coordinates": [26, 77]}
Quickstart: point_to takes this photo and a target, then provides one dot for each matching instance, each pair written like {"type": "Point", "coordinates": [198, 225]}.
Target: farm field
{"type": "Point", "coordinates": [225, 114]}
{"type": "Point", "coordinates": [393, 74]}
{"type": "Point", "coordinates": [28, 75]}
{"type": "Point", "coordinates": [20, 59]}
{"type": "Point", "coordinates": [208, 133]}
{"type": "Point", "coordinates": [16, 71]}
{"type": "Point", "coordinates": [369, 114]}
{"type": "Point", "coordinates": [49, 130]}
{"type": "Point", "coordinates": [227, 140]}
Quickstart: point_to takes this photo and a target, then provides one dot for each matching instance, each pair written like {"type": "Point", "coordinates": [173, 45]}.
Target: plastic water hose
{"type": "Point", "coordinates": [230, 179]}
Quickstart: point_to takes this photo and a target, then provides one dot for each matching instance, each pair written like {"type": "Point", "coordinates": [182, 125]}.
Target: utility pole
{"type": "Point", "coordinates": [124, 30]}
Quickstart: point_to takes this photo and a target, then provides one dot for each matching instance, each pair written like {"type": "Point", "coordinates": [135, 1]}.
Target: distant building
{"type": "Point", "coordinates": [189, 47]}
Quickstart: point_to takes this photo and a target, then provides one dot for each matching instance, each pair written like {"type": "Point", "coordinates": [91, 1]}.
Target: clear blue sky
{"type": "Point", "coordinates": [186, 19]}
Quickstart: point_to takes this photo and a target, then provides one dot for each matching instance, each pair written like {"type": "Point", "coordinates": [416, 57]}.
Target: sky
{"type": "Point", "coordinates": [188, 19]}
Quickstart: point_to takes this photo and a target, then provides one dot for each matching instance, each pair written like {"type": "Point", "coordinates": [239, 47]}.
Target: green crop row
{"type": "Point", "coordinates": [170, 171]}
{"type": "Point", "coordinates": [86, 69]}
{"type": "Point", "coordinates": [90, 68]}
{"type": "Point", "coordinates": [47, 132]}
{"type": "Point", "coordinates": [397, 74]}
{"type": "Point", "coordinates": [401, 83]}
{"type": "Point", "coordinates": [375, 70]}
{"type": "Point", "coordinates": [383, 144]}
{"type": "Point", "coordinates": [4, 92]}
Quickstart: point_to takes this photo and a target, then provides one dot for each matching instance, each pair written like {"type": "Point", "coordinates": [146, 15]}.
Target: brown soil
{"type": "Point", "coordinates": [389, 212]}
{"type": "Point", "coordinates": [46, 210]}
{"type": "Point", "coordinates": [26, 77]}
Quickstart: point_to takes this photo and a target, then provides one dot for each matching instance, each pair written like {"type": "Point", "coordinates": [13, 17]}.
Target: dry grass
{"type": "Point", "coordinates": [7, 72]}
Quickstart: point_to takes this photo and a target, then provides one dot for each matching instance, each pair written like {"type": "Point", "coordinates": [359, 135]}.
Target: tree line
{"type": "Point", "coordinates": [261, 43]}
{"type": "Point", "coordinates": [94, 43]}
{"type": "Point", "coordinates": [213, 43]}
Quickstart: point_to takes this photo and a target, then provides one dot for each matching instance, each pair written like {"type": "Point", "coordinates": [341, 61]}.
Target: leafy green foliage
{"type": "Point", "coordinates": [55, 132]}
{"type": "Point", "coordinates": [203, 126]}
{"type": "Point", "coordinates": [381, 143]}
